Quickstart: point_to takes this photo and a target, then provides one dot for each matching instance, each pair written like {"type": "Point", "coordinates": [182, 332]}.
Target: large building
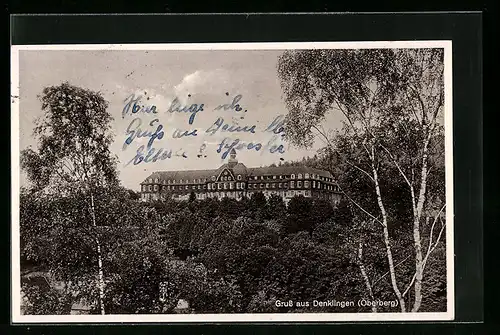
{"type": "Point", "coordinates": [235, 180]}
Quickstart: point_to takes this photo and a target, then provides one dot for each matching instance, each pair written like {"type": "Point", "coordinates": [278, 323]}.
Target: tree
{"type": "Point", "coordinates": [391, 102]}
{"type": "Point", "coordinates": [73, 152]}
{"type": "Point", "coordinates": [258, 206]}
{"type": "Point", "coordinates": [300, 216]}
{"type": "Point", "coordinates": [277, 207]}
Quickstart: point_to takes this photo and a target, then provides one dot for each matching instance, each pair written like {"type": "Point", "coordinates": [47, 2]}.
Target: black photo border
{"type": "Point", "coordinates": [463, 29]}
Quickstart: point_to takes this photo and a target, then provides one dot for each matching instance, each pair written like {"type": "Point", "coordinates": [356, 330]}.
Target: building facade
{"type": "Point", "coordinates": [235, 180]}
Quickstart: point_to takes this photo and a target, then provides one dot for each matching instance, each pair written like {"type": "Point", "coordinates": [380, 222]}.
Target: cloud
{"type": "Point", "coordinates": [204, 82]}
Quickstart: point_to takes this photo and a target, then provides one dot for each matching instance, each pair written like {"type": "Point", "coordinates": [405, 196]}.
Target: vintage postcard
{"type": "Point", "coordinates": [242, 182]}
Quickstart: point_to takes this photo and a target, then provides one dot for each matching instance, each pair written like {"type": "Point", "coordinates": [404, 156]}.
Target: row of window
{"type": "Point", "coordinates": [240, 186]}
{"type": "Point", "coordinates": [286, 194]}
{"type": "Point", "coordinates": [239, 177]}
{"type": "Point", "coordinates": [293, 176]}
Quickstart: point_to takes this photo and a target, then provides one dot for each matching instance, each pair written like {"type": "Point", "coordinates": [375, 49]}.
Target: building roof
{"type": "Point", "coordinates": [238, 169]}
{"type": "Point", "coordinates": [284, 170]}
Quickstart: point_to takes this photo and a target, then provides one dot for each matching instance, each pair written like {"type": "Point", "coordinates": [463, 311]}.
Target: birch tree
{"type": "Point", "coordinates": [73, 153]}
{"type": "Point", "coordinates": [391, 106]}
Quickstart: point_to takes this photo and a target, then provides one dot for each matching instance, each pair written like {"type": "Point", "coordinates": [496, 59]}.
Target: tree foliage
{"type": "Point", "coordinates": [388, 157]}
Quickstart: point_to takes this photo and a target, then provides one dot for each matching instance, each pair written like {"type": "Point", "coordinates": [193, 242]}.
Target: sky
{"type": "Point", "coordinates": [157, 78]}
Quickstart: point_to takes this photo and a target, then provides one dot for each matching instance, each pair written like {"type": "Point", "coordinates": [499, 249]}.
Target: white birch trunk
{"type": "Point", "coordinates": [365, 276]}
{"type": "Point", "coordinates": [99, 261]}
{"type": "Point", "coordinates": [387, 241]}
{"type": "Point", "coordinates": [419, 268]}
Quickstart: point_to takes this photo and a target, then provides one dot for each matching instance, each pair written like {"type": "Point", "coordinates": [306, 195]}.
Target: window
{"type": "Point", "coordinates": [274, 177]}
{"type": "Point", "coordinates": [292, 184]}
{"type": "Point", "coordinates": [219, 186]}
{"type": "Point", "coordinates": [306, 176]}
{"type": "Point", "coordinates": [187, 187]}
{"type": "Point", "coordinates": [279, 185]}
{"type": "Point", "coordinates": [156, 187]}
{"type": "Point", "coordinates": [150, 180]}
{"type": "Point", "coordinates": [173, 187]}
{"type": "Point", "coordinates": [299, 176]}
{"type": "Point", "coordinates": [281, 176]}
{"type": "Point", "coordinates": [261, 185]}
{"type": "Point", "coordinates": [285, 184]}
{"type": "Point", "coordinates": [231, 186]}
{"type": "Point", "coordinates": [181, 181]}
{"type": "Point", "coordinates": [237, 186]}
{"type": "Point", "coordinates": [306, 184]}
{"type": "Point", "coordinates": [267, 185]}
{"type": "Point", "coordinates": [293, 176]}
{"type": "Point", "coordinates": [194, 187]}
{"type": "Point", "coordinates": [164, 188]}
{"type": "Point", "coordinates": [150, 188]}
{"type": "Point", "coordinates": [143, 188]}
{"type": "Point", "coordinates": [213, 178]}
{"type": "Point", "coordinates": [239, 177]}
{"type": "Point", "coordinates": [299, 184]}
{"type": "Point", "coordinates": [261, 177]}
{"type": "Point", "coordinates": [314, 184]}
{"type": "Point", "coordinates": [274, 185]}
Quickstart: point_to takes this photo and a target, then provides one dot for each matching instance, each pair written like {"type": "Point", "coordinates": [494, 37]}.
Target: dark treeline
{"type": "Point", "coordinates": [220, 256]}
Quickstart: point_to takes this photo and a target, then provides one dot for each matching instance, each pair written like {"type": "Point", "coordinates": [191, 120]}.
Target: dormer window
{"type": "Point", "coordinates": [239, 177]}
{"type": "Point", "coordinates": [150, 180]}
{"type": "Point", "coordinates": [292, 176]}
{"type": "Point", "coordinates": [213, 178]}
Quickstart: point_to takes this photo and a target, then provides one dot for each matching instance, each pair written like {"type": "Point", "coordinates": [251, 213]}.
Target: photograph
{"type": "Point", "coordinates": [232, 182]}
